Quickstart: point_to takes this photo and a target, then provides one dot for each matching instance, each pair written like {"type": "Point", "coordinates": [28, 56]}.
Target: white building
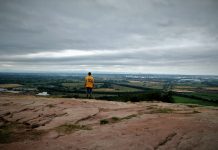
{"type": "Point", "coordinates": [3, 90]}
{"type": "Point", "coordinates": [43, 94]}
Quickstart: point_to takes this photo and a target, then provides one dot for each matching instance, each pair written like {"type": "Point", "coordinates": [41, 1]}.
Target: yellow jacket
{"type": "Point", "coordinates": [89, 82]}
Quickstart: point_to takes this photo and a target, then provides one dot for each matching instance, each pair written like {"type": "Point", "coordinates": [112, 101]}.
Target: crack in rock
{"type": "Point", "coordinates": [87, 117]}
{"type": "Point", "coordinates": [167, 139]}
{"type": "Point", "coordinates": [5, 114]}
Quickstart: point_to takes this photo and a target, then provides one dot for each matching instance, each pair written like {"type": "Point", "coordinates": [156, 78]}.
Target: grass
{"type": "Point", "coordinates": [162, 110]}
{"type": "Point", "coordinates": [136, 83]}
{"type": "Point", "coordinates": [113, 88]}
{"type": "Point", "coordinates": [154, 85]}
{"type": "Point", "coordinates": [104, 90]}
{"type": "Point", "coordinates": [185, 100]}
{"type": "Point", "coordinates": [193, 105]}
{"type": "Point", "coordinates": [209, 96]}
{"type": "Point", "coordinates": [13, 132]}
{"type": "Point", "coordinates": [74, 85]}
{"type": "Point", "coordinates": [130, 116]}
{"type": "Point", "coordinates": [116, 119]}
{"type": "Point", "coordinates": [5, 136]}
{"type": "Point", "coordinates": [124, 88]}
{"type": "Point", "coordinates": [195, 111]}
{"type": "Point", "coordinates": [69, 128]}
{"type": "Point", "coordinates": [50, 105]}
{"type": "Point", "coordinates": [104, 121]}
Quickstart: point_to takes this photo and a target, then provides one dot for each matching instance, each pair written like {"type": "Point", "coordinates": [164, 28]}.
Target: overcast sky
{"type": "Point", "coordinates": [136, 36]}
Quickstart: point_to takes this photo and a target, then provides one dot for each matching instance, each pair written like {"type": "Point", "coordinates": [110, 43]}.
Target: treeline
{"type": "Point", "coordinates": [138, 97]}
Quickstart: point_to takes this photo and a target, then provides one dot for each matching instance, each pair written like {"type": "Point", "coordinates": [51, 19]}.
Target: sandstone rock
{"type": "Point", "coordinates": [140, 126]}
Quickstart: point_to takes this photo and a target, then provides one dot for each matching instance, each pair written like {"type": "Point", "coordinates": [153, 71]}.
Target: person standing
{"type": "Point", "coordinates": [89, 85]}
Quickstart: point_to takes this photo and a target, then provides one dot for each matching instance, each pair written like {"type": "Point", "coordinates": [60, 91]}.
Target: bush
{"type": "Point", "coordinates": [151, 96]}
{"type": "Point", "coordinates": [104, 121]}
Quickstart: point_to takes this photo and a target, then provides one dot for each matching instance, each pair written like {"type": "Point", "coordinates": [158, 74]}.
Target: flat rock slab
{"type": "Point", "coordinates": [133, 126]}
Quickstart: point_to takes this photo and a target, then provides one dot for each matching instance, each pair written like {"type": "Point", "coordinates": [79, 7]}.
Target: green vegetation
{"type": "Point", "coordinates": [204, 95]}
{"type": "Point", "coordinates": [179, 99]}
{"type": "Point", "coordinates": [146, 96]}
{"type": "Point", "coordinates": [69, 128]}
{"type": "Point", "coordinates": [193, 105]}
{"type": "Point", "coordinates": [51, 105]}
{"type": "Point", "coordinates": [195, 111]}
{"type": "Point", "coordinates": [5, 134]}
{"type": "Point", "coordinates": [129, 117]}
{"type": "Point", "coordinates": [104, 121]}
{"type": "Point", "coordinates": [162, 110]}
{"type": "Point", "coordinates": [13, 132]}
{"type": "Point", "coordinates": [116, 119]}
{"type": "Point", "coordinates": [10, 85]}
{"type": "Point", "coordinates": [201, 90]}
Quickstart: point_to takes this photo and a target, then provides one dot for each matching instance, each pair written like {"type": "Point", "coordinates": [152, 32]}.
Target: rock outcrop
{"type": "Point", "coordinates": [28, 122]}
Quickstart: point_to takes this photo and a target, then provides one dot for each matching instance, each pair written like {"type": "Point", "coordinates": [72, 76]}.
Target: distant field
{"type": "Point", "coordinates": [73, 85]}
{"type": "Point", "coordinates": [120, 88]}
{"type": "Point", "coordinates": [136, 83]}
{"type": "Point", "coordinates": [104, 90]}
{"type": "Point", "coordinates": [183, 87]}
{"type": "Point", "coordinates": [212, 88]}
{"type": "Point", "coordinates": [154, 84]}
{"type": "Point", "coordinates": [209, 96]}
{"type": "Point", "coordinates": [198, 90]}
{"type": "Point", "coordinates": [182, 91]}
{"type": "Point", "coordinates": [99, 87]}
{"type": "Point", "coordinates": [147, 84]}
{"type": "Point", "coordinates": [10, 85]}
{"type": "Point", "coordinates": [190, 84]}
{"type": "Point", "coordinates": [179, 99]}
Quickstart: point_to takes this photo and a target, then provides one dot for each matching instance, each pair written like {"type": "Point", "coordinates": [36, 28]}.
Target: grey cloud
{"type": "Point", "coordinates": [172, 57]}
{"type": "Point", "coordinates": [28, 26]}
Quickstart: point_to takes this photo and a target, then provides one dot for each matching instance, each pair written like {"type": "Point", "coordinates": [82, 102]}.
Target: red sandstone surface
{"type": "Point", "coordinates": [39, 123]}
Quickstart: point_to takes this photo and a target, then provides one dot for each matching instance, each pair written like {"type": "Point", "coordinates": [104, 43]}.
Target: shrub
{"type": "Point", "coordinates": [104, 121]}
{"type": "Point", "coordinates": [69, 128]}
{"type": "Point", "coordinates": [115, 119]}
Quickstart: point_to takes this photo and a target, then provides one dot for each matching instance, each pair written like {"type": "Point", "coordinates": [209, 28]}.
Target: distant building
{"type": "Point", "coordinates": [3, 90]}
{"type": "Point", "coordinates": [43, 94]}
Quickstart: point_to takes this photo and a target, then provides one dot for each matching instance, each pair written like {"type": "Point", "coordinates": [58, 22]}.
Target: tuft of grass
{"type": "Point", "coordinates": [69, 128]}
{"type": "Point", "coordinates": [50, 105]}
{"type": "Point", "coordinates": [5, 136]}
{"type": "Point", "coordinates": [13, 132]}
{"type": "Point", "coordinates": [116, 119]}
{"type": "Point", "coordinates": [6, 132]}
{"type": "Point", "coordinates": [162, 110]}
{"type": "Point", "coordinates": [195, 111]}
{"type": "Point", "coordinates": [193, 105]}
{"type": "Point", "coordinates": [130, 116]}
{"type": "Point", "coordinates": [104, 121]}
